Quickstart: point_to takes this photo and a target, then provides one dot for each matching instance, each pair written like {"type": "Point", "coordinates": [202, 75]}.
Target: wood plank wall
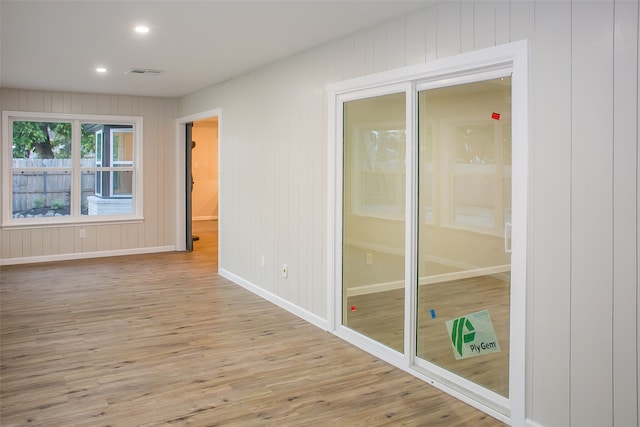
{"type": "Point", "coordinates": [156, 232]}
{"type": "Point", "coordinates": [582, 343]}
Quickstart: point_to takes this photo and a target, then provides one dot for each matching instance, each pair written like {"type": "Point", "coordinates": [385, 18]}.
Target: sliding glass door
{"type": "Point", "coordinates": [374, 175]}
{"type": "Point", "coordinates": [464, 263]}
{"type": "Point", "coordinates": [426, 223]}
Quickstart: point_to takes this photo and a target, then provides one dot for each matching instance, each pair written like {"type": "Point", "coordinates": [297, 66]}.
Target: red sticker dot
{"type": "Point", "coordinates": [353, 308]}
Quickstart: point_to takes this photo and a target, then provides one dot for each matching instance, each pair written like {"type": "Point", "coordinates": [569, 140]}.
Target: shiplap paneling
{"type": "Point", "coordinates": [46, 241]}
{"type": "Point", "coordinates": [256, 145]}
{"type": "Point", "coordinates": [35, 101]}
{"type": "Point", "coordinates": [18, 245]}
{"type": "Point", "coordinates": [67, 241]}
{"type": "Point", "coordinates": [448, 30]}
{"type": "Point", "coordinates": [15, 242]}
{"type": "Point", "coordinates": [591, 213]}
{"type": "Point", "coordinates": [551, 149]}
{"type": "Point", "coordinates": [484, 24]}
{"type": "Point", "coordinates": [267, 126]}
{"type": "Point", "coordinates": [284, 216]}
{"type": "Point", "coordinates": [261, 222]}
{"type": "Point", "coordinates": [431, 34]}
{"type": "Point", "coordinates": [569, 137]}
{"type": "Point", "coordinates": [46, 102]}
{"type": "Point", "coordinates": [467, 26]}
{"type": "Point", "coordinates": [4, 242]}
{"type": "Point", "coordinates": [90, 243]}
{"type": "Point", "coordinates": [89, 102]}
{"type": "Point", "coordinates": [159, 234]}
{"type": "Point", "coordinates": [625, 211]}
{"type": "Point", "coordinates": [57, 103]}
{"type": "Point", "coordinates": [153, 168]}
{"type": "Point", "coordinates": [522, 22]}
{"type": "Point", "coordinates": [638, 234]}
{"type": "Point", "coordinates": [502, 31]}
{"type": "Point", "coordinates": [103, 105]}
{"type": "Point", "coordinates": [35, 242]}
{"type": "Point", "coordinates": [26, 241]}
{"type": "Point", "coordinates": [638, 229]}
{"type": "Point", "coordinates": [521, 27]}
{"type": "Point", "coordinates": [348, 59]}
{"type": "Point", "coordinates": [103, 238]}
{"type": "Point", "coordinates": [115, 232]}
{"type": "Point", "coordinates": [396, 45]}
{"type": "Point", "coordinates": [416, 38]}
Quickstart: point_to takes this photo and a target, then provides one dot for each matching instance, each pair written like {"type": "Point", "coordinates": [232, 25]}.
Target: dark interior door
{"type": "Point", "coordinates": [189, 185]}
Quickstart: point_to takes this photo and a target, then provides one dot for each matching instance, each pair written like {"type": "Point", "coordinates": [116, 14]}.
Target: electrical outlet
{"type": "Point", "coordinates": [262, 263]}
{"type": "Point", "coordinates": [285, 271]}
{"type": "Point", "coordinates": [83, 233]}
{"type": "Point", "coordinates": [368, 258]}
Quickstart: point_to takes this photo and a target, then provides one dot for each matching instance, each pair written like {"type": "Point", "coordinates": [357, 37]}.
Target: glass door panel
{"type": "Point", "coordinates": [464, 216]}
{"type": "Point", "coordinates": [373, 255]}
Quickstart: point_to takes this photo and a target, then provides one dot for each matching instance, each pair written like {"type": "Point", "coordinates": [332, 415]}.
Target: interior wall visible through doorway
{"type": "Point", "coordinates": [205, 169]}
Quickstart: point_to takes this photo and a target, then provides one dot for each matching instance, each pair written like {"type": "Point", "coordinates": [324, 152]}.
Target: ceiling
{"type": "Point", "coordinates": [57, 45]}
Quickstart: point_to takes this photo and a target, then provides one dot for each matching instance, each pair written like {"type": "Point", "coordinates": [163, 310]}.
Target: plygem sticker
{"type": "Point", "coordinates": [472, 335]}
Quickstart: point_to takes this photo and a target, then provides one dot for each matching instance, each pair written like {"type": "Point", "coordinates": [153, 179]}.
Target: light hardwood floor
{"type": "Point", "coordinates": [161, 339]}
{"type": "Point", "coordinates": [381, 316]}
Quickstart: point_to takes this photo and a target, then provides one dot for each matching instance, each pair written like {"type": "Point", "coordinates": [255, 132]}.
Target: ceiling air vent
{"type": "Point", "coordinates": [145, 71]}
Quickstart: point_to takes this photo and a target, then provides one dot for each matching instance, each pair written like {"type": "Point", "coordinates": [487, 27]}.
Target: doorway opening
{"type": "Point", "coordinates": [197, 163]}
{"type": "Point", "coordinates": [202, 179]}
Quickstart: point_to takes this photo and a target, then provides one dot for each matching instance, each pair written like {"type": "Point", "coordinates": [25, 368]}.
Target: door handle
{"type": "Point", "coordinates": [507, 237]}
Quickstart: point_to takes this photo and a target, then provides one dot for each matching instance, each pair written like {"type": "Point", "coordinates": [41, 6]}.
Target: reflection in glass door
{"type": "Point", "coordinates": [373, 255]}
{"type": "Point", "coordinates": [464, 204]}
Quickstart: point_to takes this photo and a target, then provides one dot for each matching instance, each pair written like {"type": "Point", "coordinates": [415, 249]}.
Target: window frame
{"type": "Point", "coordinates": [76, 216]}
{"type": "Point", "coordinates": [118, 165]}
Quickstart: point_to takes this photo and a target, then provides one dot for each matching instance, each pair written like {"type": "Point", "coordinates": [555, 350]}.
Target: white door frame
{"type": "Point", "coordinates": [180, 179]}
{"type": "Point", "coordinates": [452, 69]}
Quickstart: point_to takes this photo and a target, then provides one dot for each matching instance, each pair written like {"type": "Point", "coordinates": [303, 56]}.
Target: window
{"type": "Point", "coordinates": [98, 180]}
{"type": "Point", "coordinates": [121, 155]}
{"type": "Point", "coordinates": [377, 156]}
{"type": "Point", "coordinates": [481, 175]}
{"type": "Point", "coordinates": [379, 183]}
{"type": "Point", "coordinates": [71, 168]}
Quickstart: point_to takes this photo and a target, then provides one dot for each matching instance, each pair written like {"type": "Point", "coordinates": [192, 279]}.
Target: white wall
{"type": "Point", "coordinates": [155, 233]}
{"type": "Point", "coordinates": [582, 320]}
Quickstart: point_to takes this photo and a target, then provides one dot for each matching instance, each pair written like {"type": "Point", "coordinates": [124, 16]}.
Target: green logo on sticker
{"type": "Point", "coordinates": [458, 334]}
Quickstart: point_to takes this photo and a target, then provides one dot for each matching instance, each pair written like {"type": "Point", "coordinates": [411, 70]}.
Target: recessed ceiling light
{"type": "Point", "coordinates": [101, 70]}
{"type": "Point", "coordinates": [142, 29]}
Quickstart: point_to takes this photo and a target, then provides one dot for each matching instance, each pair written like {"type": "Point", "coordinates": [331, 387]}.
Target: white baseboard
{"type": "Point", "coordinates": [204, 218]}
{"type": "Point", "coordinates": [275, 299]}
{"type": "Point", "coordinates": [85, 255]}
{"type": "Point", "coordinates": [530, 423]}
{"type": "Point", "coordinates": [376, 287]}
{"type": "Point", "coordinates": [427, 280]}
{"type": "Point", "coordinates": [460, 265]}
{"type": "Point", "coordinates": [373, 247]}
